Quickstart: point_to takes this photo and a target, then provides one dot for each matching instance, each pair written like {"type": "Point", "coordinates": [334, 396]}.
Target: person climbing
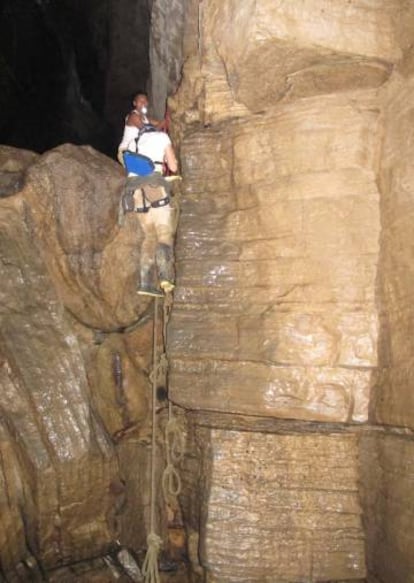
{"type": "Point", "coordinates": [136, 119]}
{"type": "Point", "coordinates": [151, 202]}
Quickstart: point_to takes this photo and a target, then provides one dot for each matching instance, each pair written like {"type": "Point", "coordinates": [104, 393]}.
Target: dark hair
{"type": "Point", "coordinates": [139, 93]}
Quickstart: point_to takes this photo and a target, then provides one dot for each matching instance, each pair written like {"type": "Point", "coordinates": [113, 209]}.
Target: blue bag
{"type": "Point", "coordinates": [138, 164]}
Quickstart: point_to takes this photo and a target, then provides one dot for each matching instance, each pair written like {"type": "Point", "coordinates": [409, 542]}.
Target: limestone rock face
{"type": "Point", "coordinates": [394, 403]}
{"type": "Point", "coordinates": [388, 476]}
{"type": "Point", "coordinates": [73, 194]}
{"type": "Point", "coordinates": [73, 366]}
{"type": "Point", "coordinates": [253, 55]}
{"type": "Point", "coordinates": [272, 48]}
{"type": "Point", "coordinates": [277, 251]}
{"type": "Point", "coordinates": [293, 515]}
{"type": "Point", "coordinates": [293, 297]}
{"type": "Point", "coordinates": [57, 454]}
{"type": "Point", "coordinates": [166, 50]}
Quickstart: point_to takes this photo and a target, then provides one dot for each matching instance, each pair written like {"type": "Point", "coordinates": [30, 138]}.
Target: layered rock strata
{"type": "Point", "coordinates": [75, 349]}
{"type": "Point", "coordinates": [275, 313]}
{"type": "Point", "coordinates": [274, 506]}
{"type": "Point", "coordinates": [290, 118]}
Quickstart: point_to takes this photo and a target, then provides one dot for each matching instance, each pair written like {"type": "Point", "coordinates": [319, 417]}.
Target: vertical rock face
{"type": "Point", "coordinates": [294, 124]}
{"type": "Point", "coordinates": [277, 252]}
{"type": "Point", "coordinates": [389, 460]}
{"type": "Point", "coordinates": [73, 369]}
{"type": "Point", "coordinates": [395, 400]}
{"type": "Point", "coordinates": [271, 49]}
{"type": "Point", "coordinates": [166, 50]}
{"type": "Point", "coordinates": [62, 456]}
{"type": "Point", "coordinates": [293, 515]}
{"type": "Point", "coordinates": [278, 246]}
{"type": "Point", "coordinates": [290, 152]}
{"type": "Point", "coordinates": [388, 478]}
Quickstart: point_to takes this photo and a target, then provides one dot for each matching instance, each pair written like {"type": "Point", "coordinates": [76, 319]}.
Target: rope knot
{"type": "Point", "coordinates": [150, 565]}
{"type": "Point", "coordinates": [174, 451]}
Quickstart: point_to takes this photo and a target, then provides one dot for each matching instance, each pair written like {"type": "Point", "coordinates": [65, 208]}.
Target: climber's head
{"type": "Point", "coordinates": [140, 102]}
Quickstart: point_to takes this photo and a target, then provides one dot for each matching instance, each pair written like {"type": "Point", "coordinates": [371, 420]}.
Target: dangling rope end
{"type": "Point", "coordinates": [150, 565]}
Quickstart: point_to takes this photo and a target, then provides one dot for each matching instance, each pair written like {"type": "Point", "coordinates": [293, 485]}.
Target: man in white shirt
{"type": "Point", "coordinates": [136, 119]}
{"type": "Point", "coordinates": [153, 209]}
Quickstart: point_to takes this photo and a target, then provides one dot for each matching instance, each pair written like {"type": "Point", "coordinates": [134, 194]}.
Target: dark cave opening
{"type": "Point", "coordinates": [68, 70]}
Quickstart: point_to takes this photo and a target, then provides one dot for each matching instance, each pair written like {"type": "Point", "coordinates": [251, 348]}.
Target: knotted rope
{"type": "Point", "coordinates": [150, 565]}
{"type": "Point", "coordinates": [174, 451]}
{"type": "Point", "coordinates": [174, 445]}
{"type": "Point", "coordinates": [173, 437]}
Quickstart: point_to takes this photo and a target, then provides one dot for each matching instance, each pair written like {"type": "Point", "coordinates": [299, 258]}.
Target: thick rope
{"type": "Point", "coordinates": [173, 437]}
{"type": "Point", "coordinates": [150, 566]}
{"type": "Point", "coordinates": [174, 445]}
{"type": "Point", "coordinates": [174, 451]}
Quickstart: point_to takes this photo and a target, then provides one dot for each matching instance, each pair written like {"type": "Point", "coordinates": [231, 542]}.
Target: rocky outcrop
{"type": "Point", "coordinates": [290, 337]}
{"type": "Point", "coordinates": [294, 281]}
{"type": "Point", "coordinates": [74, 359]}
{"type": "Point", "coordinates": [166, 50]}
{"type": "Point", "coordinates": [273, 506]}
{"type": "Point", "coordinates": [74, 194]}
{"type": "Point", "coordinates": [277, 264]}
{"type": "Point", "coordinates": [387, 478]}
{"type": "Point", "coordinates": [394, 403]}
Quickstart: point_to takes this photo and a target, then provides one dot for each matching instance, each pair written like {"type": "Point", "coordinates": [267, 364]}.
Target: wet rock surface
{"type": "Point", "coordinates": [274, 507]}
{"type": "Point", "coordinates": [290, 337]}
{"type": "Point", "coordinates": [394, 395]}
{"type": "Point", "coordinates": [294, 284]}
{"type": "Point", "coordinates": [388, 477]}
{"type": "Point", "coordinates": [70, 391]}
{"type": "Point", "coordinates": [277, 254]}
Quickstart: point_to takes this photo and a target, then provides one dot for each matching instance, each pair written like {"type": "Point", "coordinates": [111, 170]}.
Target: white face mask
{"type": "Point", "coordinates": [144, 110]}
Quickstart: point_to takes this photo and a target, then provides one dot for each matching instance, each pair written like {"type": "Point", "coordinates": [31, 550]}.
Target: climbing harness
{"type": "Point", "coordinates": [147, 178]}
{"type": "Point", "coordinates": [148, 184]}
{"type": "Point", "coordinates": [157, 193]}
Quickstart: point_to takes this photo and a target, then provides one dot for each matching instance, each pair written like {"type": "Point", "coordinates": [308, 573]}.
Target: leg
{"type": "Point", "coordinates": [148, 274]}
{"type": "Point", "coordinates": [164, 253]}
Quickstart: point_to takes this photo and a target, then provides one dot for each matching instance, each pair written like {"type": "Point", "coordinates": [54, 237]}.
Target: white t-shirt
{"type": "Point", "coordinates": [153, 145]}
{"type": "Point", "coordinates": [128, 139]}
{"type": "Point", "coordinates": [150, 144]}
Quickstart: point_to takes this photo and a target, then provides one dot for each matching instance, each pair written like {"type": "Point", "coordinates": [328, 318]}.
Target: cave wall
{"type": "Point", "coordinates": [75, 357]}
{"type": "Point", "coordinates": [289, 340]}
{"type": "Point", "coordinates": [389, 467]}
{"type": "Point", "coordinates": [394, 404]}
{"type": "Point", "coordinates": [166, 51]}
{"type": "Point", "coordinates": [294, 286]}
